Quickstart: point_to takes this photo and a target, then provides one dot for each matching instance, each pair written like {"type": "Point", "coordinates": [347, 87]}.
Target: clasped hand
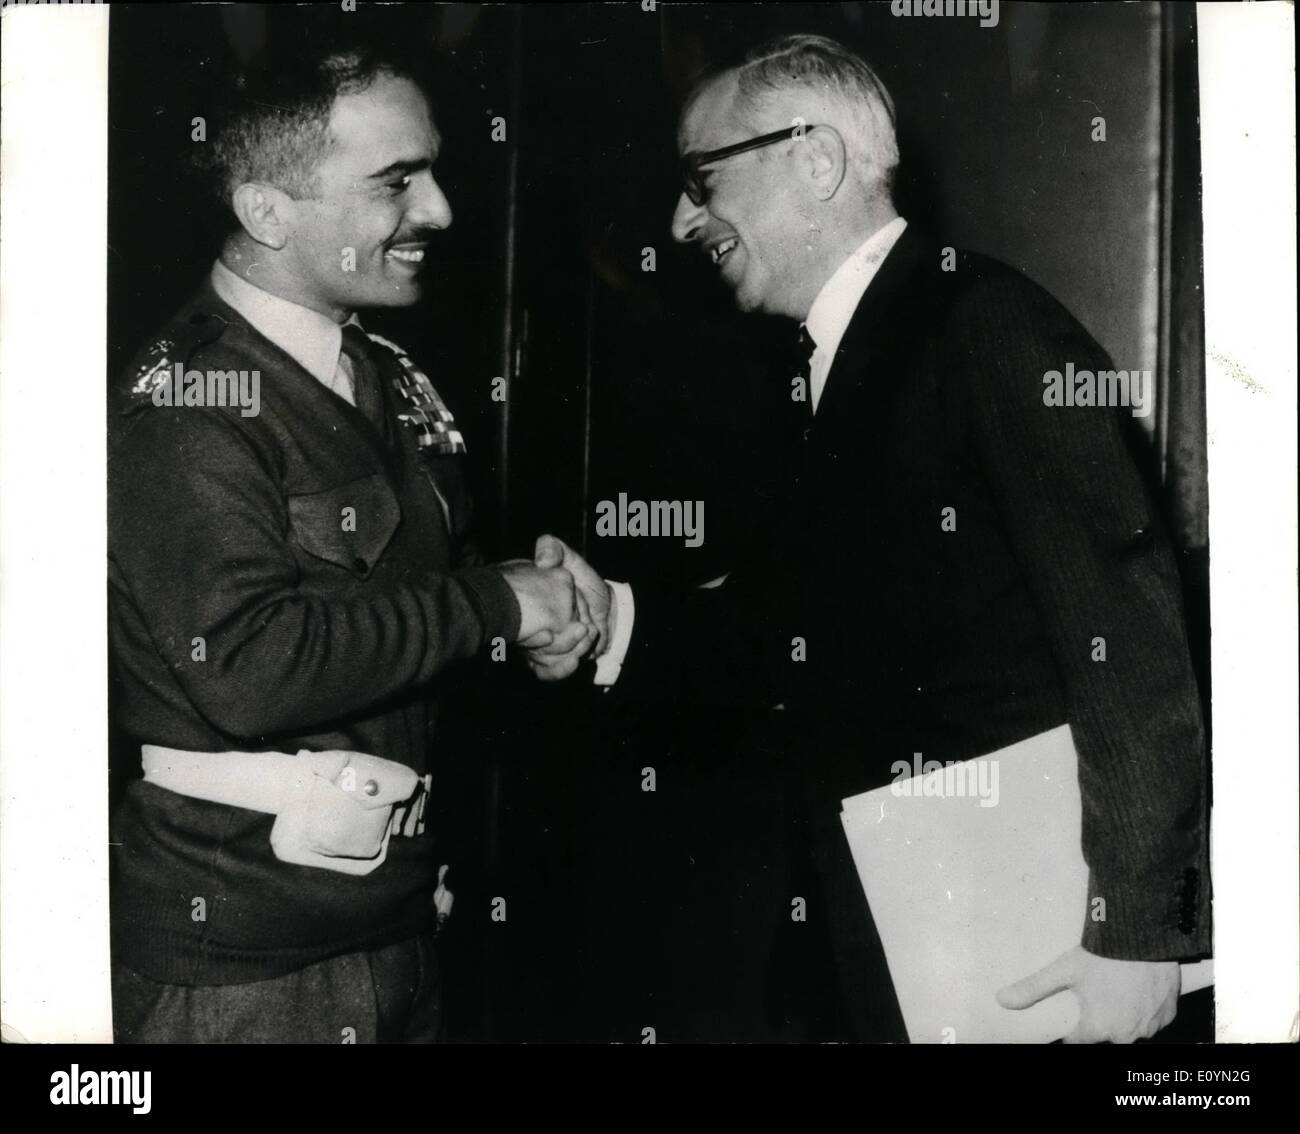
{"type": "Point", "coordinates": [565, 608]}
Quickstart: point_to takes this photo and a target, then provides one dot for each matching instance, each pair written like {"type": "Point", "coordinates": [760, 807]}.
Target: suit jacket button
{"type": "Point", "coordinates": [360, 565]}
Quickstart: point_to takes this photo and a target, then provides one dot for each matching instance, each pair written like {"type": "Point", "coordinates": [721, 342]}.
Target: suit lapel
{"type": "Point", "coordinates": [879, 339]}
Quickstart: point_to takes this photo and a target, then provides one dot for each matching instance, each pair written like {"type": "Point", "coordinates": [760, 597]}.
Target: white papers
{"type": "Point", "coordinates": [975, 877]}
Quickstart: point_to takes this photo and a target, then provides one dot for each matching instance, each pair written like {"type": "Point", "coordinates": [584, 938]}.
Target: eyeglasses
{"type": "Point", "coordinates": [691, 164]}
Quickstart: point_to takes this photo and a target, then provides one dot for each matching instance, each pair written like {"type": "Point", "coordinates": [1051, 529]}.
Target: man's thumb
{"type": "Point", "coordinates": [1037, 986]}
{"type": "Point", "coordinates": [549, 551]}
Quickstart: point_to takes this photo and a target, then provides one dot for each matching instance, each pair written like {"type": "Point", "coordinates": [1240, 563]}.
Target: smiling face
{"type": "Point", "coordinates": [753, 226]}
{"type": "Point", "coordinates": [376, 196]}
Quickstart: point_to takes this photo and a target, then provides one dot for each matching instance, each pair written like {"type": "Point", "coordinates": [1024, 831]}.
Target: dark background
{"type": "Point", "coordinates": [629, 909]}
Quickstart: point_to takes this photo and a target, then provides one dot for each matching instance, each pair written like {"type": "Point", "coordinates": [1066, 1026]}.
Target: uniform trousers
{"type": "Point", "coordinates": [388, 995]}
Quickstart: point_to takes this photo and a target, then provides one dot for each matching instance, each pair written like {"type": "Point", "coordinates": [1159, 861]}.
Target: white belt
{"type": "Point", "coordinates": [335, 810]}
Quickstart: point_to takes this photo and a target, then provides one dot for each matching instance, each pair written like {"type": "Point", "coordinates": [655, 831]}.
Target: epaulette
{"type": "Point", "coordinates": [427, 414]}
{"type": "Point", "coordinates": [177, 343]}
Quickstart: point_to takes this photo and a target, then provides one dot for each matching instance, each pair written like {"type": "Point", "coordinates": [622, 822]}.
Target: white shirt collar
{"type": "Point", "coordinates": [829, 316]}
{"type": "Point", "coordinates": [311, 339]}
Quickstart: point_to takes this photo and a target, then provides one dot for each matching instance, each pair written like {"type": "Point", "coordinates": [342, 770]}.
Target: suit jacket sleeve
{"type": "Point", "coordinates": [704, 645]}
{"type": "Point", "coordinates": [1082, 525]}
{"type": "Point", "coordinates": [278, 659]}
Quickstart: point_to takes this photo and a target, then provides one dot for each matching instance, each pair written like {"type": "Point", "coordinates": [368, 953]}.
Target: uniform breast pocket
{"type": "Point", "coordinates": [349, 526]}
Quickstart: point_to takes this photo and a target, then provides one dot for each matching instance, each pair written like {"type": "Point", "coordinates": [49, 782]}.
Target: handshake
{"type": "Point", "coordinates": [566, 609]}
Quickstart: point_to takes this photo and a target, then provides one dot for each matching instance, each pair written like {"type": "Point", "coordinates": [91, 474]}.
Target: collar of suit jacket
{"type": "Point", "coordinates": [829, 316]}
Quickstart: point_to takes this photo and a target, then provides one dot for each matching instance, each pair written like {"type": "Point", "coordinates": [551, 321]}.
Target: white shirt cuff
{"type": "Point", "coordinates": [610, 664]}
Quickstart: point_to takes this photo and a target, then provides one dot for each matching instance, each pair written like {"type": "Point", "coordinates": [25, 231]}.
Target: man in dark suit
{"type": "Point", "coordinates": [960, 562]}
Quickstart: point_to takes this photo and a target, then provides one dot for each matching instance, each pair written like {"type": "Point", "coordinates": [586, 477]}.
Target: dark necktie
{"type": "Point", "coordinates": [803, 354]}
{"type": "Point", "coordinates": [365, 374]}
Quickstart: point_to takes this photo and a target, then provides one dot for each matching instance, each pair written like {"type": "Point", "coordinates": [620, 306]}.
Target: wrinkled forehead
{"type": "Point", "coordinates": [710, 120]}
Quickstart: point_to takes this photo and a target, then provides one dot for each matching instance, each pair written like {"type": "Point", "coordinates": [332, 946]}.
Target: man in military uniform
{"type": "Point", "coordinates": [289, 578]}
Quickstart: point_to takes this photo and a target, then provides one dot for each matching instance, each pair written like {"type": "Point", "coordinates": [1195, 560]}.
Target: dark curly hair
{"type": "Point", "coordinates": [272, 123]}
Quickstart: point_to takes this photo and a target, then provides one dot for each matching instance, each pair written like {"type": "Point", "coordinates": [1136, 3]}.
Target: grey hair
{"type": "Point", "coordinates": [814, 62]}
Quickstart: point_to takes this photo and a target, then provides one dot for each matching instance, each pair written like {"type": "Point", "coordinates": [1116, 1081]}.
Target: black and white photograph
{"type": "Point", "coordinates": [647, 523]}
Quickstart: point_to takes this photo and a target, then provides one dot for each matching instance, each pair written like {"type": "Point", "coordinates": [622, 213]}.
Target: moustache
{"type": "Point", "coordinates": [415, 236]}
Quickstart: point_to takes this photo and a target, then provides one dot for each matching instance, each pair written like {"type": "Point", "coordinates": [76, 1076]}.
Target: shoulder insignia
{"type": "Point", "coordinates": [181, 340]}
{"type": "Point", "coordinates": [154, 368]}
{"type": "Point", "coordinates": [427, 414]}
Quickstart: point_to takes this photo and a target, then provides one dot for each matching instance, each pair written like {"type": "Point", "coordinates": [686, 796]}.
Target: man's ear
{"type": "Point", "coordinates": [266, 213]}
{"type": "Point", "coordinates": [825, 160]}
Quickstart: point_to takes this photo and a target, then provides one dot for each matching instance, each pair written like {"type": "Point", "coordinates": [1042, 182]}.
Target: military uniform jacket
{"type": "Point", "coordinates": [295, 579]}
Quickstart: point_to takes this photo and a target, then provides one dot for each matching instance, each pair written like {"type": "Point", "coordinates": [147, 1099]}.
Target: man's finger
{"type": "Point", "coordinates": [1059, 975]}
{"type": "Point", "coordinates": [552, 668]}
{"type": "Point", "coordinates": [566, 641]}
{"type": "Point", "coordinates": [570, 638]}
{"type": "Point", "coordinates": [536, 641]}
{"type": "Point", "coordinates": [549, 551]}
{"type": "Point", "coordinates": [1086, 1032]}
{"type": "Point", "coordinates": [585, 616]}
